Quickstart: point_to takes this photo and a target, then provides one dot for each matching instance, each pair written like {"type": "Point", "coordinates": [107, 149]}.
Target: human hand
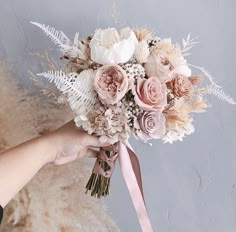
{"type": "Point", "coordinates": [19, 164]}
{"type": "Point", "coordinates": [69, 143]}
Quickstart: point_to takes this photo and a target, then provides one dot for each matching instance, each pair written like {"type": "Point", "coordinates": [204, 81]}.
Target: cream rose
{"type": "Point", "coordinates": [149, 94]}
{"type": "Point", "coordinates": [111, 84]}
{"type": "Point", "coordinates": [112, 47]}
{"type": "Point", "coordinates": [159, 65]}
{"type": "Point", "coordinates": [150, 125]}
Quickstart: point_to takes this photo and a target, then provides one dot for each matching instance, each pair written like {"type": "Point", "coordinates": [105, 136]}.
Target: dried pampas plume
{"type": "Point", "coordinates": [143, 33]}
{"type": "Point", "coordinates": [54, 200]}
{"type": "Point", "coordinates": [198, 105]}
{"type": "Point", "coordinates": [195, 80]}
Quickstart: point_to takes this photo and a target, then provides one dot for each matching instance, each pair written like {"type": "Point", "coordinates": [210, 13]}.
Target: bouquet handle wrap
{"type": "Point", "coordinates": [110, 162]}
{"type": "Point", "coordinates": [99, 181]}
{"type": "Point", "coordinates": [130, 168]}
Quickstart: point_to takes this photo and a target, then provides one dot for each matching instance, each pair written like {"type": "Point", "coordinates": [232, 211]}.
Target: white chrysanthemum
{"type": "Point", "coordinates": [110, 124]}
{"type": "Point", "coordinates": [142, 52]}
{"type": "Point", "coordinates": [112, 47]}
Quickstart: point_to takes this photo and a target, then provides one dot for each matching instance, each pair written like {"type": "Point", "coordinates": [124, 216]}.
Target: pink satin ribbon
{"type": "Point", "coordinates": [131, 171]}
{"type": "Point", "coordinates": [132, 178]}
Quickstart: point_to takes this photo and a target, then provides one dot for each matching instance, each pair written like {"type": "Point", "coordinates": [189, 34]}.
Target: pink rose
{"type": "Point", "coordinates": [150, 94]}
{"type": "Point", "coordinates": [111, 84]}
{"type": "Point", "coordinates": [159, 65]}
{"type": "Point", "coordinates": [150, 125]}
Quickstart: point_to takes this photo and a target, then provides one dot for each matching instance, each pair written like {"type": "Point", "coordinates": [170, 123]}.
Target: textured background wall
{"type": "Point", "coordinates": [189, 186]}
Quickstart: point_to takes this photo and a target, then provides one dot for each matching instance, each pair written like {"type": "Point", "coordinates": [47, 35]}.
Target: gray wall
{"type": "Point", "coordinates": [190, 185]}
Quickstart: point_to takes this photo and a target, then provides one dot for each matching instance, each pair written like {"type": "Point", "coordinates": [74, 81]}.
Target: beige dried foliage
{"type": "Point", "coordinates": [198, 105]}
{"type": "Point", "coordinates": [178, 114]}
{"type": "Point", "coordinates": [142, 52]}
{"type": "Point", "coordinates": [143, 33]}
{"type": "Point", "coordinates": [196, 79]}
{"type": "Point", "coordinates": [54, 200]}
{"type": "Point", "coordinates": [172, 52]}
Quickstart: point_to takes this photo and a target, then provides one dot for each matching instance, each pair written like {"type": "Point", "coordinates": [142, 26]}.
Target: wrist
{"type": "Point", "coordinates": [49, 148]}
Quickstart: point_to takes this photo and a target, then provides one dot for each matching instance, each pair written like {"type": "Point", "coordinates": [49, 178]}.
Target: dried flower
{"type": "Point", "coordinates": [150, 125]}
{"type": "Point", "coordinates": [111, 124]}
{"type": "Point", "coordinates": [142, 52]}
{"type": "Point", "coordinates": [195, 80]}
{"type": "Point", "coordinates": [167, 47]}
{"type": "Point", "coordinates": [179, 133]}
{"type": "Point", "coordinates": [112, 47]}
{"type": "Point", "coordinates": [181, 66]}
{"type": "Point", "coordinates": [178, 121]}
{"type": "Point", "coordinates": [149, 94]}
{"type": "Point", "coordinates": [142, 33]}
{"type": "Point", "coordinates": [76, 65]}
{"type": "Point", "coordinates": [111, 84]}
{"type": "Point", "coordinates": [80, 48]}
{"type": "Point", "coordinates": [134, 70]}
{"type": "Point", "coordinates": [198, 105]}
{"type": "Point", "coordinates": [181, 86]}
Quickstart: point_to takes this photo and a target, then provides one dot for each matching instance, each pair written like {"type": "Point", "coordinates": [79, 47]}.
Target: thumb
{"type": "Point", "coordinates": [92, 141]}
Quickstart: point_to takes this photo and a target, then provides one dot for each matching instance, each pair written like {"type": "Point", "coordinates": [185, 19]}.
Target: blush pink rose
{"type": "Point", "coordinates": [159, 65]}
{"type": "Point", "coordinates": [150, 94]}
{"type": "Point", "coordinates": [111, 84]}
{"type": "Point", "coordinates": [150, 125]}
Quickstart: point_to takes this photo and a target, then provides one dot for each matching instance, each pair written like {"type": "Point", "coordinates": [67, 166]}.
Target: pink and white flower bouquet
{"type": "Point", "coordinates": [128, 82]}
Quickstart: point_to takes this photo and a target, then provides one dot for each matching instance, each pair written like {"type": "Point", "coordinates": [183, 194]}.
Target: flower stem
{"type": "Point", "coordinates": [98, 184]}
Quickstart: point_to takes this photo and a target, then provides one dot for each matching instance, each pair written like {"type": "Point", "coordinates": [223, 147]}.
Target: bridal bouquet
{"type": "Point", "coordinates": [129, 82]}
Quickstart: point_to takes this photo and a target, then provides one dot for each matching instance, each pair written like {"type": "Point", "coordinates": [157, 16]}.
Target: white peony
{"type": "Point", "coordinates": [109, 46]}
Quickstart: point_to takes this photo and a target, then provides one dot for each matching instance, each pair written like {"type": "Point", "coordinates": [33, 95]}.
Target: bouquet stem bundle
{"type": "Point", "coordinates": [99, 181]}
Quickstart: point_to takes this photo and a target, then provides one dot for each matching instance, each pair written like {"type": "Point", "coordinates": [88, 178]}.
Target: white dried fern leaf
{"type": "Point", "coordinates": [76, 49]}
{"type": "Point", "coordinates": [76, 39]}
{"type": "Point", "coordinates": [188, 43]}
{"type": "Point", "coordinates": [218, 92]}
{"type": "Point", "coordinates": [58, 37]}
{"type": "Point", "coordinates": [206, 73]}
{"type": "Point", "coordinates": [78, 88]}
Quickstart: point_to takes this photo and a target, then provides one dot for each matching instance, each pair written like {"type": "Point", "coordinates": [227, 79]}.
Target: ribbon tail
{"type": "Point", "coordinates": [136, 167]}
{"type": "Point", "coordinates": [132, 175]}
